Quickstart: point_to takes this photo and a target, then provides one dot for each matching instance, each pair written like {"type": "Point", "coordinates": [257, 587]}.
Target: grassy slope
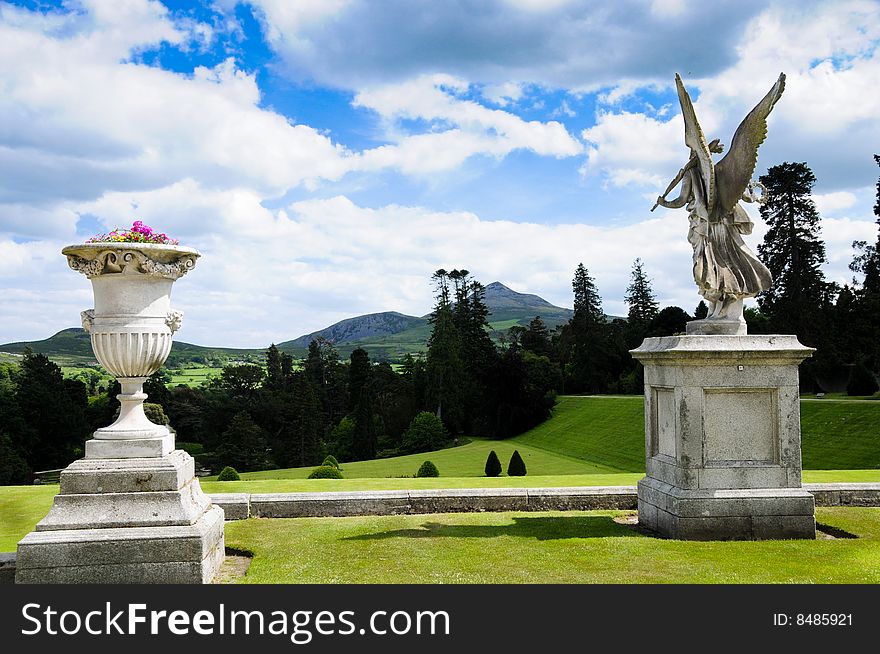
{"type": "Point", "coordinates": [553, 547]}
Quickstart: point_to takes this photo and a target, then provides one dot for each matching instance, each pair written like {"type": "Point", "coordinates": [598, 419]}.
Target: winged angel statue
{"type": "Point", "coordinates": [725, 269]}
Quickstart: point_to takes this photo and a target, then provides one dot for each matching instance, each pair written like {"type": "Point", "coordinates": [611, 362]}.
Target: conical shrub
{"type": "Point", "coordinates": [516, 467]}
{"type": "Point", "coordinates": [493, 465]}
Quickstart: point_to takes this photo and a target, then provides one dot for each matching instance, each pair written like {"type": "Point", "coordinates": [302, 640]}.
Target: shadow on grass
{"type": "Point", "coordinates": [549, 528]}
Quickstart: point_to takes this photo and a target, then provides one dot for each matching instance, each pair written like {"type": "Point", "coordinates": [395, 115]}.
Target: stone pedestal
{"type": "Point", "coordinates": [722, 438]}
{"type": "Point", "coordinates": [126, 520]}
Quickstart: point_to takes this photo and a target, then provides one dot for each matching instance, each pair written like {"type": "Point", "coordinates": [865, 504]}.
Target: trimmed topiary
{"type": "Point", "coordinates": [493, 465]}
{"type": "Point", "coordinates": [228, 474]}
{"type": "Point", "coordinates": [428, 469]}
{"type": "Point", "coordinates": [330, 460]}
{"type": "Point", "coordinates": [516, 467]}
{"type": "Point", "coordinates": [326, 472]}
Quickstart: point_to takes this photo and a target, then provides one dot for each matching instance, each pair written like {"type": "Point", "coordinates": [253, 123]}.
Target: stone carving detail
{"type": "Point", "coordinates": [725, 269]}
{"type": "Point", "coordinates": [87, 267]}
{"type": "Point", "coordinates": [131, 353]}
{"type": "Point", "coordinates": [88, 319]}
{"type": "Point", "coordinates": [117, 260]}
{"type": "Point", "coordinates": [174, 320]}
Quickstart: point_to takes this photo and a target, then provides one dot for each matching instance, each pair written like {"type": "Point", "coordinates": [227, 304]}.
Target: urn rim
{"type": "Point", "coordinates": [89, 250]}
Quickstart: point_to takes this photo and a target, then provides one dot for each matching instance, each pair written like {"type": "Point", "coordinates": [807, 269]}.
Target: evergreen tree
{"type": "Point", "coordinates": [794, 254]}
{"type": "Point", "coordinates": [493, 465]}
{"type": "Point", "coordinates": [274, 373]}
{"type": "Point", "coordinates": [536, 338]}
{"type": "Point", "coordinates": [587, 303]}
{"type": "Point", "coordinates": [858, 312]}
{"type": "Point", "coordinates": [361, 405]}
{"type": "Point", "coordinates": [670, 320]}
{"type": "Point", "coordinates": [585, 346]}
{"type": "Point", "coordinates": [643, 305]}
{"type": "Point", "coordinates": [516, 467]}
{"type": "Point", "coordinates": [53, 410]}
{"type": "Point", "coordinates": [243, 445]}
{"type": "Point", "coordinates": [444, 367]}
{"type": "Point", "coordinates": [701, 311]}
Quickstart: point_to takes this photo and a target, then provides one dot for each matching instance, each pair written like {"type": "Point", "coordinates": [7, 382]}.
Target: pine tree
{"type": "Point", "coordinates": [585, 345]}
{"type": "Point", "coordinates": [587, 303]}
{"type": "Point", "coordinates": [794, 253]}
{"type": "Point", "coordinates": [444, 367]}
{"type": "Point", "coordinates": [536, 338]}
{"type": "Point", "coordinates": [701, 311]}
{"type": "Point", "coordinates": [643, 305]}
{"type": "Point", "coordinates": [859, 311]}
{"type": "Point", "coordinates": [361, 405]}
{"type": "Point", "coordinates": [274, 373]}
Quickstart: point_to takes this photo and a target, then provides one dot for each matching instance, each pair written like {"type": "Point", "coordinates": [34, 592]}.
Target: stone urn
{"type": "Point", "coordinates": [131, 328]}
{"type": "Point", "coordinates": [132, 510]}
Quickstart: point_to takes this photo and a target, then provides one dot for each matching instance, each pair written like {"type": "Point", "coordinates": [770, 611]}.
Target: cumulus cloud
{"type": "Point", "coordinates": [76, 121]}
{"type": "Point", "coordinates": [563, 44]}
{"type": "Point", "coordinates": [459, 128]}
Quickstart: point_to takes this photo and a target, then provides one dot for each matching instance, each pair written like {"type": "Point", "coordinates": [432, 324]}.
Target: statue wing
{"type": "Point", "coordinates": [735, 170]}
{"type": "Point", "coordinates": [696, 141]}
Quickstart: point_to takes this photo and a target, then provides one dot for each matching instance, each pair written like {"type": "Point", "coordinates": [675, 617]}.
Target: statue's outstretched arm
{"type": "Point", "coordinates": [683, 197]}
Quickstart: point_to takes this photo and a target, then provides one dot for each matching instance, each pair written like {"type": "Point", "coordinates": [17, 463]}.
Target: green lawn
{"type": "Point", "coordinates": [21, 507]}
{"type": "Point", "coordinates": [605, 434]}
{"type": "Point", "coordinates": [553, 547]}
{"type": "Point", "coordinates": [463, 461]}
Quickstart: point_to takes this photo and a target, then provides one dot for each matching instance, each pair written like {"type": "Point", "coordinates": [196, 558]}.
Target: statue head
{"type": "Point", "coordinates": [716, 146]}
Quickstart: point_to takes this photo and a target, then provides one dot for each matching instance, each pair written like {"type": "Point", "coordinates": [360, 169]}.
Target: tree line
{"type": "Point", "coordinates": [289, 413]}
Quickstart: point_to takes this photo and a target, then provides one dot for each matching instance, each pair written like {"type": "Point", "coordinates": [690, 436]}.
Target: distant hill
{"type": "Point", "coordinates": [73, 347]}
{"type": "Point", "coordinates": [353, 329]}
{"type": "Point", "coordinates": [387, 335]}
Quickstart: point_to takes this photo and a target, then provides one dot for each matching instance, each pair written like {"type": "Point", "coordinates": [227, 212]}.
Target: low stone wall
{"type": "Point", "coordinates": [393, 502]}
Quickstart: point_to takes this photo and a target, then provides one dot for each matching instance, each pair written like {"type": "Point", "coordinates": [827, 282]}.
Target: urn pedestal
{"type": "Point", "coordinates": [132, 510]}
{"type": "Point", "coordinates": [722, 438]}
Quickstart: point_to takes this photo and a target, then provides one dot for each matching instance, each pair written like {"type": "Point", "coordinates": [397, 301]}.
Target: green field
{"type": "Point", "coordinates": [194, 376]}
{"type": "Point", "coordinates": [552, 547]}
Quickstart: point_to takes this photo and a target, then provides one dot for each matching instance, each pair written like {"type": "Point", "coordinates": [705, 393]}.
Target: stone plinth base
{"type": "Point", "coordinates": [143, 520]}
{"type": "Point", "coordinates": [737, 514]}
{"type": "Point", "coordinates": [722, 437]}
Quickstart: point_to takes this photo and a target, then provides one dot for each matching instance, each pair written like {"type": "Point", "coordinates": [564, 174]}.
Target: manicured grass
{"type": "Point", "coordinates": [840, 434]}
{"type": "Point", "coordinates": [605, 434]}
{"type": "Point", "coordinates": [463, 461]}
{"type": "Point", "coordinates": [606, 430]}
{"type": "Point", "coordinates": [22, 507]}
{"type": "Point", "coordinates": [553, 547]}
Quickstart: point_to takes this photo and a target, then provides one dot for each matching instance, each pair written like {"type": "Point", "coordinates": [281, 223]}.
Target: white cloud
{"type": "Point", "coordinates": [503, 94]}
{"type": "Point", "coordinates": [461, 128]}
{"type": "Point", "coordinates": [833, 202]}
{"type": "Point", "coordinates": [634, 149]}
{"type": "Point", "coordinates": [75, 122]}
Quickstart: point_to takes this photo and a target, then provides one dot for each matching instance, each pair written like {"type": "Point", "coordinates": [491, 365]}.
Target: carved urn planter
{"type": "Point", "coordinates": [131, 329]}
{"type": "Point", "coordinates": [132, 510]}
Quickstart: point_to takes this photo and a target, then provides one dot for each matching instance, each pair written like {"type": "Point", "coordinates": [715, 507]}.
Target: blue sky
{"type": "Point", "coordinates": [327, 155]}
